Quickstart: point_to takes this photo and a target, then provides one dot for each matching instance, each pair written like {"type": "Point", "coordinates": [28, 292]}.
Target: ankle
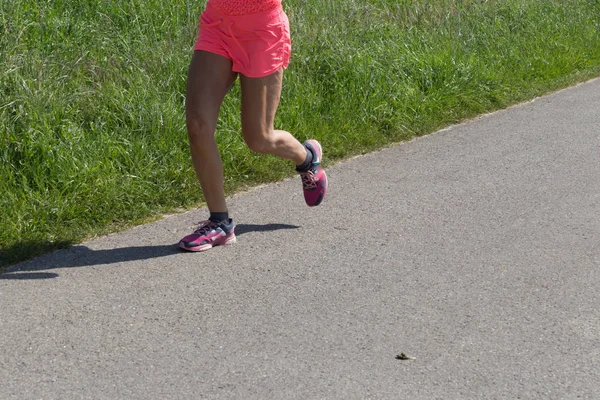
{"type": "Point", "coordinates": [218, 217]}
{"type": "Point", "coordinates": [305, 166]}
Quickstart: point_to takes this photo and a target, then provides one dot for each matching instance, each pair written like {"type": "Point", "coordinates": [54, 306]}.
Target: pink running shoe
{"type": "Point", "coordinates": [314, 181]}
{"type": "Point", "coordinates": [208, 235]}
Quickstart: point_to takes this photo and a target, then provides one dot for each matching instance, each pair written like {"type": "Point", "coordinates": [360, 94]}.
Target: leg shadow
{"type": "Point", "coordinates": [82, 256]}
{"type": "Point", "coordinates": [247, 228]}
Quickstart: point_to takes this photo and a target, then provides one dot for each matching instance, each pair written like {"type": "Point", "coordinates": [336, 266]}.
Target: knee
{"type": "Point", "coordinates": [259, 140]}
{"type": "Point", "coordinates": [198, 127]}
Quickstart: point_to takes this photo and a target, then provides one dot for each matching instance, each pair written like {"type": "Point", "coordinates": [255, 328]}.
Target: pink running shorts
{"type": "Point", "coordinates": [258, 44]}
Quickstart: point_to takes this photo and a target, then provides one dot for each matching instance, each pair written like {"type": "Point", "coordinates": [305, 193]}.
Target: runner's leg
{"type": "Point", "coordinates": [209, 79]}
{"type": "Point", "coordinates": [260, 99]}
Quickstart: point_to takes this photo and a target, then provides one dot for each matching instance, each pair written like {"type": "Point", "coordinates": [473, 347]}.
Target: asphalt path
{"type": "Point", "coordinates": [475, 251]}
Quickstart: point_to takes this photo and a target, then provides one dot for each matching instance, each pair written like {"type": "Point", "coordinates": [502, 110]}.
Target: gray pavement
{"type": "Point", "coordinates": [475, 250]}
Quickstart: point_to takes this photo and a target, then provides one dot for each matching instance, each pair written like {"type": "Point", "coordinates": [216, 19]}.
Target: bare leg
{"type": "Point", "coordinates": [209, 79]}
{"type": "Point", "coordinates": [260, 99]}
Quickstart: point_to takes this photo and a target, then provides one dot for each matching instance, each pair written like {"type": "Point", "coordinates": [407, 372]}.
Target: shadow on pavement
{"type": "Point", "coordinates": [246, 228]}
{"type": "Point", "coordinates": [82, 256]}
{"type": "Point", "coordinates": [22, 276]}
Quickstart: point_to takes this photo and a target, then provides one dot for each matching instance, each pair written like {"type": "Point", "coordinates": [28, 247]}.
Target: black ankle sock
{"type": "Point", "coordinates": [218, 217]}
{"type": "Point", "coordinates": [305, 166]}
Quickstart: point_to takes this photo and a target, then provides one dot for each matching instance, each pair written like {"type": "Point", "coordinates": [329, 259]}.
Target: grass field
{"type": "Point", "coordinates": [92, 131]}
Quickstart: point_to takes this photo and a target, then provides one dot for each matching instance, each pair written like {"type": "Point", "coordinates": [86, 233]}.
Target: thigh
{"type": "Point", "coordinates": [260, 99]}
{"type": "Point", "coordinates": [209, 79]}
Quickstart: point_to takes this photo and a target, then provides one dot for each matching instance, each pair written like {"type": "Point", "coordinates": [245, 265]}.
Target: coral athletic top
{"type": "Point", "coordinates": [243, 7]}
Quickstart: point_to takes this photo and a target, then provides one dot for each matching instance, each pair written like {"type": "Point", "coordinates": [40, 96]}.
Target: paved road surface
{"type": "Point", "coordinates": [475, 250]}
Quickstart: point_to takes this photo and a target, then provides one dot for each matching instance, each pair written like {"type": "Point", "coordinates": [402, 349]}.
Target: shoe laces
{"type": "Point", "coordinates": [309, 180]}
{"type": "Point", "coordinates": [204, 227]}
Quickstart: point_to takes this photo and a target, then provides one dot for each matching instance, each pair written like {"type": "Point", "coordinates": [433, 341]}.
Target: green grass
{"type": "Point", "coordinates": [92, 132]}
